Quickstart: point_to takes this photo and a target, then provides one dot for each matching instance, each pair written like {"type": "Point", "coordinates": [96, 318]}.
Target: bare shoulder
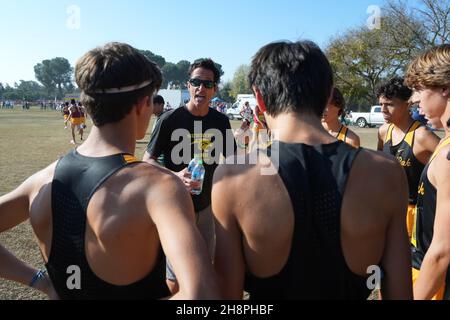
{"type": "Point", "coordinates": [440, 167]}
{"type": "Point", "coordinates": [353, 138]}
{"type": "Point", "coordinates": [376, 159]}
{"type": "Point", "coordinates": [377, 172]}
{"type": "Point", "coordinates": [41, 178]}
{"type": "Point", "coordinates": [242, 168]}
{"type": "Point", "coordinates": [153, 179]}
{"type": "Point", "coordinates": [382, 131]}
{"type": "Point", "coordinates": [424, 135]}
{"type": "Point", "coordinates": [249, 178]}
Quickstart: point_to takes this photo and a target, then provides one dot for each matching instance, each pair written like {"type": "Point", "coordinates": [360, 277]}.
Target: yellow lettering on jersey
{"type": "Point", "coordinates": [421, 190]}
{"type": "Point", "coordinates": [404, 162]}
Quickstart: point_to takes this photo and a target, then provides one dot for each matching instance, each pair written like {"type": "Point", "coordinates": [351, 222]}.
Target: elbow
{"type": "Point", "coordinates": [439, 255]}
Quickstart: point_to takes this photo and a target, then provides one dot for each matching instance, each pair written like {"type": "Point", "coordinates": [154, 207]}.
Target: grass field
{"type": "Point", "coordinates": [29, 141]}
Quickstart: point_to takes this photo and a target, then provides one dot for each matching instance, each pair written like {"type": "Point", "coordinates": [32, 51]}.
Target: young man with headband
{"type": "Point", "coordinates": [102, 219]}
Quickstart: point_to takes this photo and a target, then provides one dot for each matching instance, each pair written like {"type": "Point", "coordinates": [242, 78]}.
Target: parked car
{"type": "Point", "coordinates": [370, 119]}
{"type": "Point", "coordinates": [233, 113]}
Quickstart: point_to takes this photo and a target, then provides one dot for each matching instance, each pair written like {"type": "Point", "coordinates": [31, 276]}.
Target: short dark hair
{"type": "Point", "coordinates": [115, 65]}
{"type": "Point", "coordinates": [337, 100]}
{"type": "Point", "coordinates": [394, 88]}
{"type": "Point", "coordinates": [158, 99]}
{"type": "Point", "coordinates": [292, 77]}
{"type": "Point", "coordinates": [208, 64]}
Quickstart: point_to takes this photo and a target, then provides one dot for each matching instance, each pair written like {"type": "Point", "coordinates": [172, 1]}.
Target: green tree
{"type": "Point", "coordinates": [170, 74]}
{"type": "Point", "coordinates": [159, 60]}
{"type": "Point", "coordinates": [2, 90]}
{"type": "Point", "coordinates": [29, 90]}
{"type": "Point", "coordinates": [362, 58]}
{"type": "Point", "coordinates": [55, 75]}
{"type": "Point", "coordinates": [10, 93]}
{"type": "Point", "coordinates": [239, 84]}
{"type": "Point", "coordinates": [183, 73]}
{"type": "Point", "coordinates": [224, 92]}
{"type": "Point", "coordinates": [44, 75]}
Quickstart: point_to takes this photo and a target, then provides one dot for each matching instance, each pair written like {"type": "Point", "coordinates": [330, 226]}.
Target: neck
{"type": "Point", "coordinates": [299, 128]}
{"type": "Point", "coordinates": [445, 119]}
{"type": "Point", "coordinates": [106, 141]}
{"type": "Point", "coordinates": [198, 110]}
{"type": "Point", "coordinates": [405, 123]}
{"type": "Point", "coordinates": [332, 125]}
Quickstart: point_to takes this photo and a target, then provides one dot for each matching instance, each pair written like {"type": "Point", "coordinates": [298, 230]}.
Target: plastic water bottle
{"type": "Point", "coordinates": [192, 164]}
{"type": "Point", "coordinates": [197, 176]}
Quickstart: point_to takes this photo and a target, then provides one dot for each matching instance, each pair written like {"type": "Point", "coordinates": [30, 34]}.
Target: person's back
{"type": "Point", "coordinates": [100, 216]}
{"type": "Point", "coordinates": [99, 223]}
{"type": "Point", "coordinates": [315, 225]}
{"type": "Point", "coordinates": [298, 243]}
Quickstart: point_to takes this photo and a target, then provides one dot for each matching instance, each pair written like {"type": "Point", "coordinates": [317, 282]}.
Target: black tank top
{"type": "Point", "coordinates": [405, 156]}
{"type": "Point", "coordinates": [75, 181]}
{"type": "Point", "coordinates": [422, 234]}
{"type": "Point", "coordinates": [315, 178]}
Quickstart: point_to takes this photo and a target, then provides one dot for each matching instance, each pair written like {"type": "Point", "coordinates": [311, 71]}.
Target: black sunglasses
{"type": "Point", "coordinates": [208, 84]}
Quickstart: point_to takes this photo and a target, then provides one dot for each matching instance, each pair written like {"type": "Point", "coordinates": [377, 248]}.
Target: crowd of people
{"type": "Point", "coordinates": [305, 218]}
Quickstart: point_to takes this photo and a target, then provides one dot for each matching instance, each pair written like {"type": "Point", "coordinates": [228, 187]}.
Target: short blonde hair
{"type": "Point", "coordinates": [431, 69]}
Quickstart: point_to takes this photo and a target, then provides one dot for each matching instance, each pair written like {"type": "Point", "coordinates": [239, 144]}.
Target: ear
{"type": "Point", "coordinates": [142, 103]}
{"type": "Point", "coordinates": [447, 92]}
{"type": "Point", "coordinates": [260, 100]}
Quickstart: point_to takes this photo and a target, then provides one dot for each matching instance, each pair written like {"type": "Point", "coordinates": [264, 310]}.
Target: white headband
{"type": "Point", "coordinates": [125, 89]}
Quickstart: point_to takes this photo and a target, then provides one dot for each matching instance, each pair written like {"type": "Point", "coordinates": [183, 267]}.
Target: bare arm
{"type": "Point", "coordinates": [172, 211]}
{"type": "Point", "coordinates": [381, 137]}
{"type": "Point", "coordinates": [437, 259]}
{"type": "Point", "coordinates": [354, 139]}
{"type": "Point", "coordinates": [229, 260]}
{"type": "Point", "coordinates": [425, 144]}
{"type": "Point", "coordinates": [396, 260]}
{"type": "Point", "coordinates": [14, 209]}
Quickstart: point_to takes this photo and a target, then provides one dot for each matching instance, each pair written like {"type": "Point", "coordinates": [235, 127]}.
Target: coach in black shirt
{"type": "Point", "coordinates": [195, 131]}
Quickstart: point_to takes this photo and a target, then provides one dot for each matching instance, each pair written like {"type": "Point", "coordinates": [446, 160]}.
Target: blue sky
{"type": "Point", "coordinates": [228, 31]}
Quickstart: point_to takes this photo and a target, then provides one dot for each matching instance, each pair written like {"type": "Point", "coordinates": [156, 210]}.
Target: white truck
{"type": "Point", "coordinates": [233, 112]}
{"type": "Point", "coordinates": [371, 119]}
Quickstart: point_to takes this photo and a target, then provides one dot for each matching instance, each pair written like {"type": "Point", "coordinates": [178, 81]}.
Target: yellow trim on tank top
{"type": "Point", "coordinates": [444, 142]}
{"type": "Point", "coordinates": [342, 136]}
{"type": "Point", "coordinates": [389, 134]}
{"type": "Point", "coordinates": [410, 135]}
{"type": "Point", "coordinates": [129, 158]}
